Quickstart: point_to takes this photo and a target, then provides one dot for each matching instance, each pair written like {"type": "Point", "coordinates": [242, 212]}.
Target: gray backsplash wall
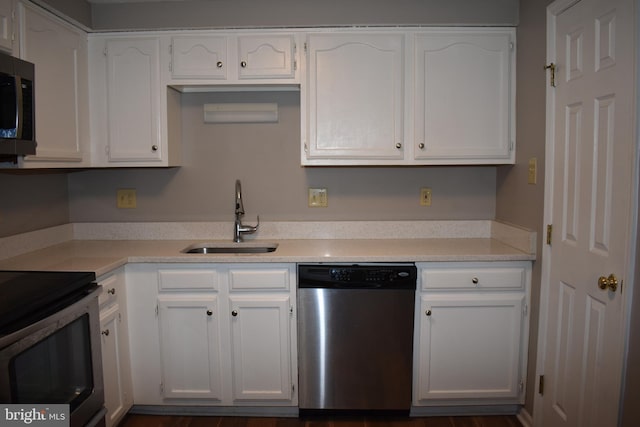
{"type": "Point", "coordinates": [266, 157]}
{"type": "Point", "coordinates": [31, 200]}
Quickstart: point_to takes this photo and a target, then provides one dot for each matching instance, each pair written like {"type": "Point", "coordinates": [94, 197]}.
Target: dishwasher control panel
{"type": "Point", "coordinates": [356, 275]}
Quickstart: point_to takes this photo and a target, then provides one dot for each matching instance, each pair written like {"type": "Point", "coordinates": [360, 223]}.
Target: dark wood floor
{"type": "Point", "coordinates": [180, 421]}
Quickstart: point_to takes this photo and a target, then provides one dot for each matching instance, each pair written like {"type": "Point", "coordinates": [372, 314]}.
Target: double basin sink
{"type": "Point", "coordinates": [230, 248]}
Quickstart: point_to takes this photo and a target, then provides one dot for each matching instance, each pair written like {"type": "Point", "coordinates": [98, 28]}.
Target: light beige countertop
{"type": "Point", "coordinates": [103, 256]}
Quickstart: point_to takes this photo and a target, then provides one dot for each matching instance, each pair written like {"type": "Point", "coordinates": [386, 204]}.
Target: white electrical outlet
{"type": "Point", "coordinates": [318, 198]}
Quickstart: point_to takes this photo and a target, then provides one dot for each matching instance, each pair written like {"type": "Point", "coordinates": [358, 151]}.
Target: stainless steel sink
{"type": "Point", "coordinates": [230, 248]}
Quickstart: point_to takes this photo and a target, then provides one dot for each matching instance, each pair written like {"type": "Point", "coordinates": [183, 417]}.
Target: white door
{"type": "Point", "coordinates": [356, 96]}
{"type": "Point", "coordinates": [265, 57]}
{"type": "Point", "coordinates": [60, 55]}
{"type": "Point", "coordinates": [260, 345]}
{"type": "Point", "coordinates": [6, 25]}
{"type": "Point", "coordinates": [133, 94]}
{"type": "Point", "coordinates": [590, 162]}
{"type": "Point", "coordinates": [464, 96]}
{"type": "Point", "coordinates": [115, 390]}
{"type": "Point", "coordinates": [190, 346]}
{"type": "Point", "coordinates": [469, 346]}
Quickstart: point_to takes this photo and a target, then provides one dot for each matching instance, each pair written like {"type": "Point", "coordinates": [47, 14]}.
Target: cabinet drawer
{"type": "Point", "coordinates": [180, 280]}
{"type": "Point", "coordinates": [259, 278]}
{"type": "Point", "coordinates": [111, 288]}
{"type": "Point", "coordinates": [468, 276]}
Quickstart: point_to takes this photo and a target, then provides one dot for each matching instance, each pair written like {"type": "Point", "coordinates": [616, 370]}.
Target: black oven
{"type": "Point", "coordinates": [50, 343]}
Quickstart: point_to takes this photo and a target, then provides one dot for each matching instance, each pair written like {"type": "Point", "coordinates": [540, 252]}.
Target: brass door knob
{"type": "Point", "coordinates": [610, 282]}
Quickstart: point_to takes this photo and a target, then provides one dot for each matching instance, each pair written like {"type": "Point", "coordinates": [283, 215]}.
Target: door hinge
{"type": "Point", "coordinates": [305, 47]}
{"type": "Point", "coordinates": [511, 145]}
{"type": "Point", "coordinates": [549, 232]}
{"type": "Point", "coordinates": [291, 310]}
{"type": "Point", "coordinates": [525, 310]}
{"type": "Point", "coordinates": [511, 46]}
{"type": "Point", "coordinates": [541, 385]}
{"type": "Point", "coordinates": [161, 388]}
{"type": "Point", "coordinates": [105, 52]}
{"type": "Point", "coordinates": [551, 67]}
{"type": "Point", "coordinates": [157, 310]}
{"type": "Point", "coordinates": [521, 385]}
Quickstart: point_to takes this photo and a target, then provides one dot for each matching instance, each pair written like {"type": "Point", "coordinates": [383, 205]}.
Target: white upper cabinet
{"type": "Point", "coordinates": [421, 97]}
{"type": "Point", "coordinates": [214, 58]}
{"type": "Point", "coordinates": [263, 57]}
{"type": "Point", "coordinates": [199, 57]}
{"type": "Point", "coordinates": [135, 119]}
{"type": "Point", "coordinates": [355, 101]}
{"type": "Point", "coordinates": [133, 96]}
{"type": "Point", "coordinates": [59, 52]}
{"type": "Point", "coordinates": [464, 96]}
{"type": "Point", "coordinates": [6, 25]}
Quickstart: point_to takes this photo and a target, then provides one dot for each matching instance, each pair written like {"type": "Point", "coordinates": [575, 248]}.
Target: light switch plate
{"type": "Point", "coordinates": [126, 198]}
{"type": "Point", "coordinates": [425, 196]}
{"type": "Point", "coordinates": [318, 198]}
{"type": "Point", "coordinates": [533, 171]}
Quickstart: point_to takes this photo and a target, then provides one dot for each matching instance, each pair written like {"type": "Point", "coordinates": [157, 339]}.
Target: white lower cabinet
{"type": "Point", "coordinates": [263, 349]}
{"type": "Point", "coordinates": [190, 346]}
{"type": "Point", "coordinates": [219, 334]}
{"type": "Point", "coordinates": [471, 333]}
{"type": "Point", "coordinates": [116, 365]}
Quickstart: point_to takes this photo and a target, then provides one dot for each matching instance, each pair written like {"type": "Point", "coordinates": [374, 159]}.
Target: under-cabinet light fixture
{"type": "Point", "coordinates": [241, 113]}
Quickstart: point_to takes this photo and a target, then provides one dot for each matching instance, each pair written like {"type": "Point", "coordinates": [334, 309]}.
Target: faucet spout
{"type": "Point", "coordinates": [239, 228]}
{"type": "Point", "coordinates": [239, 204]}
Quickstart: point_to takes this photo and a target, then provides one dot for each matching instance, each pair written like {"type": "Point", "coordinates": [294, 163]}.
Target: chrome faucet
{"type": "Point", "coordinates": [239, 228]}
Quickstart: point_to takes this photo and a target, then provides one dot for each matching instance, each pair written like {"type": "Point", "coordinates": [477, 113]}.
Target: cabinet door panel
{"type": "Point", "coordinates": [469, 346]}
{"type": "Point", "coordinates": [356, 97]}
{"type": "Point", "coordinates": [265, 57]}
{"type": "Point", "coordinates": [201, 57]}
{"type": "Point", "coordinates": [463, 96]}
{"type": "Point", "coordinates": [133, 93]}
{"type": "Point", "coordinates": [60, 58]}
{"type": "Point", "coordinates": [117, 394]}
{"type": "Point", "coordinates": [6, 25]}
{"type": "Point", "coordinates": [190, 346]}
{"type": "Point", "coordinates": [260, 331]}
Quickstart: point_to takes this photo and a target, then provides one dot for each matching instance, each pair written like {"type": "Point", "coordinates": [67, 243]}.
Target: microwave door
{"type": "Point", "coordinates": [20, 109]}
{"type": "Point", "coordinates": [8, 106]}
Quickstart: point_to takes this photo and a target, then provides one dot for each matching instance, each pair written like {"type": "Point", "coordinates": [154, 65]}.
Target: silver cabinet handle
{"type": "Point", "coordinates": [243, 64]}
{"type": "Point", "coordinates": [421, 146]}
{"type": "Point", "coordinates": [154, 148]}
{"type": "Point", "coordinates": [428, 312]}
{"type": "Point", "coordinates": [111, 291]}
{"type": "Point", "coordinates": [398, 145]}
{"type": "Point", "coordinates": [219, 64]}
{"type": "Point", "coordinates": [475, 281]}
{"type": "Point", "coordinates": [234, 313]}
{"type": "Point", "coordinates": [105, 332]}
{"type": "Point", "coordinates": [209, 312]}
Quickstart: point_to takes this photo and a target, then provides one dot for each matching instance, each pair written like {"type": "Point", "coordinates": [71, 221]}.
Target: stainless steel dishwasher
{"type": "Point", "coordinates": [355, 336]}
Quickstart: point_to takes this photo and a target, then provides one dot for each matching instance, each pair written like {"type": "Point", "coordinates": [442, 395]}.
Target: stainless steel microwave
{"type": "Point", "coordinates": [17, 107]}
